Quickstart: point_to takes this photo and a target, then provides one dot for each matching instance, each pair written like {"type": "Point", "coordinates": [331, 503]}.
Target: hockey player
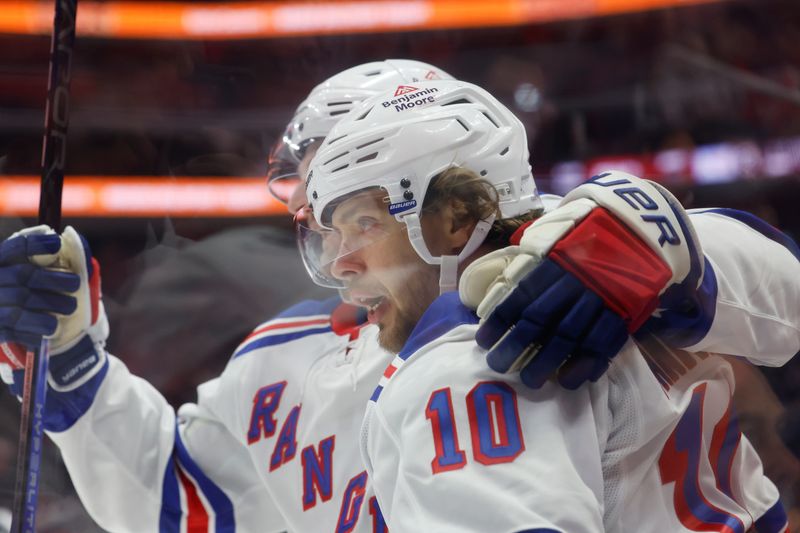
{"type": "Point", "coordinates": [686, 320]}
{"type": "Point", "coordinates": [271, 444]}
{"type": "Point", "coordinates": [408, 196]}
{"type": "Point", "coordinates": [259, 451]}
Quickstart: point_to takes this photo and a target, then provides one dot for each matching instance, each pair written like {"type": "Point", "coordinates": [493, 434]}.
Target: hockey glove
{"type": "Point", "coordinates": [583, 278]}
{"type": "Point", "coordinates": [50, 286]}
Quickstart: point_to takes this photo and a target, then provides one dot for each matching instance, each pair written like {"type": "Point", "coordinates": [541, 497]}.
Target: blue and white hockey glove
{"type": "Point", "coordinates": [582, 279]}
{"type": "Point", "coordinates": [50, 286]}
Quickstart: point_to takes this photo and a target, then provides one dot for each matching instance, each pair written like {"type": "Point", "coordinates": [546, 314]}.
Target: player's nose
{"type": "Point", "coordinates": [347, 266]}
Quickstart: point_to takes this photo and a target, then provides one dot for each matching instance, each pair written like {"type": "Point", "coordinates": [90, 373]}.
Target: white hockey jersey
{"type": "Point", "coordinates": [272, 443]}
{"type": "Point", "coordinates": [653, 446]}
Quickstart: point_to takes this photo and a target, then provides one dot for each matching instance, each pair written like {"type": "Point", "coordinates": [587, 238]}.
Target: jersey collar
{"type": "Point", "coordinates": [444, 314]}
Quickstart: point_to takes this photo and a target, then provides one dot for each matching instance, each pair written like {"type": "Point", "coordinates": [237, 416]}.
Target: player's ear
{"type": "Point", "coordinates": [448, 228]}
{"type": "Point", "coordinates": [461, 228]}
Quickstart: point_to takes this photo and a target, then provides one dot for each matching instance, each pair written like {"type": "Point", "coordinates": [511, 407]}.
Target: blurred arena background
{"type": "Point", "coordinates": [175, 105]}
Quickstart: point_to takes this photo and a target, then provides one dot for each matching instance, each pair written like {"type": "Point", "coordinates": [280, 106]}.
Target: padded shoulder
{"type": "Point", "coordinates": [310, 317]}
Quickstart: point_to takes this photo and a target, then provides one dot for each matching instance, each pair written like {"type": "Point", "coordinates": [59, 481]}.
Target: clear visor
{"type": "Point", "coordinates": [283, 174]}
{"type": "Point", "coordinates": [327, 252]}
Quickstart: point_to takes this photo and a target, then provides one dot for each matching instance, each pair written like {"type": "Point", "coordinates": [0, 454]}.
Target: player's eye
{"type": "Point", "coordinates": [366, 224]}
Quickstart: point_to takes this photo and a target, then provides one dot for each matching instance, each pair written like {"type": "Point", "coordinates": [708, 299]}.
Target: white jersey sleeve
{"type": "Point", "coordinates": [748, 304]}
{"type": "Point", "coordinates": [750, 294]}
{"type": "Point", "coordinates": [137, 467]}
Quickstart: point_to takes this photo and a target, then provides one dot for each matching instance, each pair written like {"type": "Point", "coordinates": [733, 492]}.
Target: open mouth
{"type": "Point", "coordinates": [370, 303]}
{"type": "Point", "coordinates": [376, 306]}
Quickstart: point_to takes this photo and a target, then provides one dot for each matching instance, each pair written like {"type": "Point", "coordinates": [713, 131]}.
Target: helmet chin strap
{"type": "Point", "coordinates": [448, 264]}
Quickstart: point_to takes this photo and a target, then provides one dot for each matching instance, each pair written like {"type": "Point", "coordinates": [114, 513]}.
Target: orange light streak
{"type": "Point", "coordinates": [239, 20]}
{"type": "Point", "coordinates": [86, 196]}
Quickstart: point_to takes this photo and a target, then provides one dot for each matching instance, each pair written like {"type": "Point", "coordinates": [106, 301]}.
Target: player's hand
{"type": "Point", "coordinates": [583, 278]}
{"type": "Point", "coordinates": [50, 287]}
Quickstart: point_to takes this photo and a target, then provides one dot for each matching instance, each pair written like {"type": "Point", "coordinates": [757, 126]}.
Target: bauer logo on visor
{"type": "Point", "coordinates": [402, 206]}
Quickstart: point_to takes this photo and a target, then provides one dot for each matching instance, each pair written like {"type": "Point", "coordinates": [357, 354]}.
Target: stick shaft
{"type": "Point", "coordinates": [54, 146]}
{"type": "Point", "coordinates": [31, 439]}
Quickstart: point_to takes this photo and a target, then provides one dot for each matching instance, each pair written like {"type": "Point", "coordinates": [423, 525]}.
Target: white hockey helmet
{"type": "Point", "coordinates": [327, 103]}
{"type": "Point", "coordinates": [400, 140]}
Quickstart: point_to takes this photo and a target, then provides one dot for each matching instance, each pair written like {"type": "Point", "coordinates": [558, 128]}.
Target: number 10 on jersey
{"type": "Point", "coordinates": [493, 422]}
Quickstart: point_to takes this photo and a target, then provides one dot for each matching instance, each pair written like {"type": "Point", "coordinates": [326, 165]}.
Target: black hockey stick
{"type": "Point", "coordinates": [31, 432]}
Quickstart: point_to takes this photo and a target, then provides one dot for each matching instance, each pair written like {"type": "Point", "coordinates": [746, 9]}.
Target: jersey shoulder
{"type": "Point", "coordinates": [749, 220]}
{"type": "Point", "coordinates": [445, 314]}
{"type": "Point", "coordinates": [307, 318]}
{"type": "Point", "coordinates": [446, 330]}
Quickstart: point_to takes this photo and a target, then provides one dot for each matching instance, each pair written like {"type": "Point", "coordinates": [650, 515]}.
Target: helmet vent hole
{"type": "Point", "coordinates": [368, 143]}
{"type": "Point", "coordinates": [331, 160]}
{"type": "Point", "coordinates": [340, 168]}
{"type": "Point", "coordinates": [369, 157]}
{"type": "Point", "coordinates": [364, 115]}
{"type": "Point", "coordinates": [505, 151]}
{"type": "Point", "coordinates": [483, 172]}
{"type": "Point", "coordinates": [459, 101]}
{"type": "Point", "coordinates": [336, 139]}
{"type": "Point", "coordinates": [372, 73]}
{"type": "Point", "coordinates": [462, 124]}
{"type": "Point", "coordinates": [346, 102]}
{"type": "Point", "coordinates": [338, 112]}
{"type": "Point", "coordinates": [487, 115]}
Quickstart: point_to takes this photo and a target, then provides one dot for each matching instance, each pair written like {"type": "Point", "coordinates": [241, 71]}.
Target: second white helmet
{"type": "Point", "coordinates": [330, 101]}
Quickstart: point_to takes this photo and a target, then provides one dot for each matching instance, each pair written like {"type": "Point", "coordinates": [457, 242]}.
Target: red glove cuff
{"type": "Point", "coordinates": [94, 290]}
{"type": "Point", "coordinates": [616, 264]}
{"type": "Point", "coordinates": [13, 354]}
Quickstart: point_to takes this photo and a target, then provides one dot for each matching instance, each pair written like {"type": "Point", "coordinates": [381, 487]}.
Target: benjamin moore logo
{"type": "Point", "coordinates": [404, 89]}
{"type": "Point", "coordinates": [407, 101]}
{"type": "Point", "coordinates": [431, 75]}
